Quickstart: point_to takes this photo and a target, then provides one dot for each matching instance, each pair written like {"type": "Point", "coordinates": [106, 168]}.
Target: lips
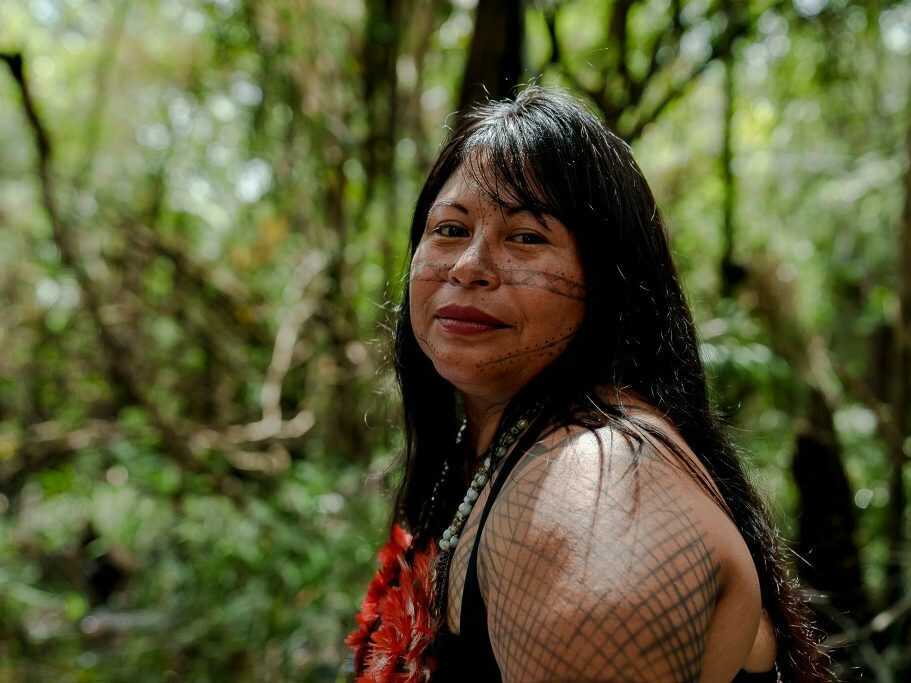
{"type": "Point", "coordinates": [469, 314]}
{"type": "Point", "coordinates": [468, 321]}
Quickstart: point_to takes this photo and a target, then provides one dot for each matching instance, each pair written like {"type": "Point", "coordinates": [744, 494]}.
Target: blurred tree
{"type": "Point", "coordinates": [494, 63]}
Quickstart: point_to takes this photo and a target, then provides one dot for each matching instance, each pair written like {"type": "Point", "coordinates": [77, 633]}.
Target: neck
{"type": "Point", "coordinates": [483, 416]}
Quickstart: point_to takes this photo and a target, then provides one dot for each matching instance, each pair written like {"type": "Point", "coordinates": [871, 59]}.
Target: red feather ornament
{"type": "Point", "coordinates": [395, 626]}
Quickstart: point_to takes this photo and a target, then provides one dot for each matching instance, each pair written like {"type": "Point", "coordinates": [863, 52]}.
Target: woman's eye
{"type": "Point", "coordinates": [449, 230]}
{"type": "Point", "coordinates": [530, 238]}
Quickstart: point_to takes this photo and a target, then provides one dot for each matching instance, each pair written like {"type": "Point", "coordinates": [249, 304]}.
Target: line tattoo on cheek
{"type": "Point", "coordinates": [432, 271]}
{"type": "Point", "coordinates": [558, 284]}
{"type": "Point", "coordinates": [433, 351]}
{"type": "Point", "coordinates": [550, 347]}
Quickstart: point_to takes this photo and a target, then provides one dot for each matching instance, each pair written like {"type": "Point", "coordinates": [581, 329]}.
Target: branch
{"type": "Point", "coordinates": [809, 355]}
{"type": "Point", "coordinates": [739, 26]}
{"type": "Point", "coordinates": [867, 652]}
{"type": "Point", "coordinates": [43, 445]}
{"type": "Point", "coordinates": [48, 441]}
{"type": "Point", "coordinates": [607, 109]}
{"type": "Point", "coordinates": [558, 58]}
{"type": "Point", "coordinates": [117, 356]}
{"type": "Point", "coordinates": [854, 633]}
{"type": "Point", "coordinates": [550, 20]}
{"type": "Point", "coordinates": [721, 47]}
{"type": "Point", "coordinates": [102, 76]}
{"type": "Point", "coordinates": [287, 335]}
{"type": "Point", "coordinates": [254, 446]}
{"type": "Point", "coordinates": [17, 69]}
{"type": "Point", "coordinates": [227, 297]}
{"type": "Point", "coordinates": [617, 35]}
{"type": "Point", "coordinates": [673, 31]}
{"type": "Point", "coordinates": [673, 93]}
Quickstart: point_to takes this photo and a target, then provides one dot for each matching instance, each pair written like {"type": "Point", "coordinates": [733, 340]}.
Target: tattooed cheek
{"type": "Point", "coordinates": [548, 348]}
{"type": "Point", "coordinates": [430, 271]}
{"type": "Point", "coordinates": [554, 283]}
{"type": "Point", "coordinates": [425, 345]}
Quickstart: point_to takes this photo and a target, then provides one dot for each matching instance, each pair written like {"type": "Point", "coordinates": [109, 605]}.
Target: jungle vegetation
{"type": "Point", "coordinates": [204, 207]}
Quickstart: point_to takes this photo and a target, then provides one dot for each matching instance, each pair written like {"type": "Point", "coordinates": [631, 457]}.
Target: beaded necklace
{"type": "Point", "coordinates": [490, 459]}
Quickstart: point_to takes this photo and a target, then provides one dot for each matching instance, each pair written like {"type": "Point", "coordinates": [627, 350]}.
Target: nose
{"type": "Point", "coordinates": [475, 265]}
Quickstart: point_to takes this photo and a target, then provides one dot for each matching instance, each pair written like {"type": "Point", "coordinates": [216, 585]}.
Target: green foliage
{"type": "Point", "coordinates": [239, 202]}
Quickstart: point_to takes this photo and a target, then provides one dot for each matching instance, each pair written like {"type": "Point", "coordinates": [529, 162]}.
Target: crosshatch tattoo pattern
{"type": "Point", "coordinates": [589, 573]}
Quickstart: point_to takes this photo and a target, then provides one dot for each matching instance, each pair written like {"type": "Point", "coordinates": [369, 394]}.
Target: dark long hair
{"type": "Point", "coordinates": [549, 152]}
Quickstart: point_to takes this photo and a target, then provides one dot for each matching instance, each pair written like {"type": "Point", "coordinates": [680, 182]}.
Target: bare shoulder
{"type": "Point", "coordinates": [583, 484]}
{"type": "Point", "coordinates": [604, 561]}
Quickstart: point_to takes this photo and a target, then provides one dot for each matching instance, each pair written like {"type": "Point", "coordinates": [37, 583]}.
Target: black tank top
{"type": "Point", "coordinates": [468, 655]}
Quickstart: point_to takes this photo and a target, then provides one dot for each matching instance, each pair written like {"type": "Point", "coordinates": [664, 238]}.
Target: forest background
{"type": "Point", "coordinates": [203, 217]}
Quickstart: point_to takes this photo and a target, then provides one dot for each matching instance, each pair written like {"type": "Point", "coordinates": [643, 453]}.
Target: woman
{"type": "Point", "coordinates": [573, 508]}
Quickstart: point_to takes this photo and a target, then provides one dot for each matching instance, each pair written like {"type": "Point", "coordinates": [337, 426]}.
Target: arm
{"type": "Point", "coordinates": [594, 569]}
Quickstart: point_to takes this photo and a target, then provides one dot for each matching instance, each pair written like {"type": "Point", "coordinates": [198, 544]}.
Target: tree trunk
{"type": "Point", "coordinates": [901, 396]}
{"type": "Point", "coordinates": [495, 59]}
{"type": "Point", "coordinates": [826, 516]}
{"type": "Point", "coordinates": [732, 273]}
{"type": "Point", "coordinates": [381, 50]}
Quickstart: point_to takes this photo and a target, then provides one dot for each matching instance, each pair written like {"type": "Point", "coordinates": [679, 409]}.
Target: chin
{"type": "Point", "coordinates": [465, 375]}
{"type": "Point", "coordinates": [468, 380]}
{"type": "Point", "coordinates": [462, 378]}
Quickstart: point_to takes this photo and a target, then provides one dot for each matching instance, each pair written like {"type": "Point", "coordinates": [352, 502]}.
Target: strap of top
{"type": "Point", "coordinates": [473, 616]}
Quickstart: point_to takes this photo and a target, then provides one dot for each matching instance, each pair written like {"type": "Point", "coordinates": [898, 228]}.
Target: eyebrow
{"type": "Point", "coordinates": [444, 202]}
{"type": "Point", "coordinates": [513, 210]}
{"type": "Point", "coordinates": [510, 211]}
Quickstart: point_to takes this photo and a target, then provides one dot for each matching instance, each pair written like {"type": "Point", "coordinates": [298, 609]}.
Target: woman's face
{"type": "Point", "coordinates": [476, 259]}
